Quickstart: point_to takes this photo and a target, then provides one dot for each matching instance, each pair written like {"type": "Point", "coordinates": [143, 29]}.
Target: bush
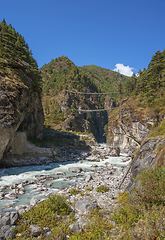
{"type": "Point", "coordinates": [141, 213]}
{"type": "Point", "coordinates": [44, 214]}
{"type": "Point", "coordinates": [152, 190]}
{"type": "Point", "coordinates": [97, 228]}
{"type": "Point", "coordinates": [102, 189]}
{"type": "Point", "coordinates": [74, 191]}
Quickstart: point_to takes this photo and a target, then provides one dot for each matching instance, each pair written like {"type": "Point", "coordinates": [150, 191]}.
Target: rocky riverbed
{"type": "Point", "coordinates": [82, 203]}
{"type": "Point", "coordinates": [101, 173]}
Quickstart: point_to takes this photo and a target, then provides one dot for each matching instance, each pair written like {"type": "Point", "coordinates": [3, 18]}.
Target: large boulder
{"type": "Point", "coordinates": [75, 169]}
{"type": "Point", "coordinates": [35, 230]}
{"type": "Point", "coordinates": [84, 206]}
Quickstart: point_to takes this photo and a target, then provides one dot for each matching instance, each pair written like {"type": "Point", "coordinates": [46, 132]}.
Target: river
{"type": "Point", "coordinates": [63, 178]}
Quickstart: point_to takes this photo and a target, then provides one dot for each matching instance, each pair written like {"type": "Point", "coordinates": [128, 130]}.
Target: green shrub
{"type": "Point", "coordinates": [97, 228]}
{"type": "Point", "coordinates": [152, 190]}
{"type": "Point", "coordinates": [88, 189]}
{"type": "Point", "coordinates": [102, 189]}
{"type": "Point", "coordinates": [58, 205]}
{"type": "Point", "coordinates": [44, 214]}
{"type": "Point", "coordinates": [72, 215]}
{"type": "Point", "coordinates": [141, 213]}
{"type": "Point", "coordinates": [74, 191]}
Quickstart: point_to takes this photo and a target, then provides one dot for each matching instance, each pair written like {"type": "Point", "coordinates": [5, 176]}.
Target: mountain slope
{"type": "Point", "coordinates": [105, 79]}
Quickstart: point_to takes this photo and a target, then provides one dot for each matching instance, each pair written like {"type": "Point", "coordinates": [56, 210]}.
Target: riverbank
{"type": "Point", "coordinates": [87, 178]}
{"type": "Point", "coordinates": [82, 197]}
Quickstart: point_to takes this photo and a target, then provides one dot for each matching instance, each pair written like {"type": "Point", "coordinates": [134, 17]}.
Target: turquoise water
{"type": "Point", "coordinates": [9, 176]}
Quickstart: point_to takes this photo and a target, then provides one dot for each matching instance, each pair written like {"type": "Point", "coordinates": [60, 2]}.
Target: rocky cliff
{"type": "Point", "coordinates": [81, 121]}
{"type": "Point", "coordinates": [20, 92]}
{"type": "Point", "coordinates": [150, 152]}
{"type": "Point", "coordinates": [20, 111]}
{"type": "Point", "coordinates": [128, 126]}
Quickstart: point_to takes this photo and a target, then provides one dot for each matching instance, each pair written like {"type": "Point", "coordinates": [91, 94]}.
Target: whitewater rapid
{"type": "Point", "coordinates": [10, 176]}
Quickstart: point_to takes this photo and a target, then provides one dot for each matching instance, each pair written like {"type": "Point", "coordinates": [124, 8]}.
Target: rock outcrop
{"type": "Point", "coordinates": [147, 157]}
{"type": "Point", "coordinates": [20, 111]}
{"type": "Point", "coordinates": [128, 128]}
{"type": "Point", "coordinates": [82, 121]}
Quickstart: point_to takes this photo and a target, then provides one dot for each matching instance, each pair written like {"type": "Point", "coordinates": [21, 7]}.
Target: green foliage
{"type": "Point", "coordinates": [126, 213]}
{"type": "Point", "coordinates": [58, 205]}
{"type": "Point", "coordinates": [74, 191]}
{"type": "Point", "coordinates": [53, 112]}
{"type": "Point", "coordinates": [105, 79]}
{"type": "Point", "coordinates": [44, 214]}
{"type": "Point", "coordinates": [131, 84]}
{"type": "Point", "coordinates": [150, 82]}
{"type": "Point", "coordinates": [120, 88]}
{"type": "Point", "coordinates": [15, 54]}
{"type": "Point", "coordinates": [152, 187]}
{"type": "Point", "coordinates": [102, 189]}
{"type": "Point", "coordinates": [58, 76]}
{"type": "Point", "coordinates": [141, 214]}
{"type": "Point", "coordinates": [158, 130]}
{"type": "Point", "coordinates": [88, 189]}
{"type": "Point", "coordinates": [62, 74]}
{"type": "Point", "coordinates": [98, 227]}
{"type": "Point", "coordinates": [72, 215]}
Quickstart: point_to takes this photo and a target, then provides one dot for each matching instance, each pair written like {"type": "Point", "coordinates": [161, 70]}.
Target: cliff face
{"type": "Point", "coordinates": [20, 104]}
{"type": "Point", "coordinates": [128, 127]}
{"type": "Point", "coordinates": [81, 121]}
{"type": "Point", "coordinates": [151, 150]}
{"type": "Point", "coordinates": [20, 110]}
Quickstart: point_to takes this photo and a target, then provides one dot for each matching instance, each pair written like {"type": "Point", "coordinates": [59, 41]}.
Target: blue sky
{"type": "Point", "coordinates": [114, 34]}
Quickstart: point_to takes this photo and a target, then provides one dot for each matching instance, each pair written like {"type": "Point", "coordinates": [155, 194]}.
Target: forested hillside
{"type": "Point", "coordinates": [61, 74]}
{"type": "Point", "coordinates": [16, 58]}
{"type": "Point", "coordinates": [149, 87]}
{"type": "Point", "coordinates": [150, 82]}
{"type": "Point", "coordinates": [107, 80]}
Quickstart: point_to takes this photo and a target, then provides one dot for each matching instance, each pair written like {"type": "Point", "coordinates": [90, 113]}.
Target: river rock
{"type": "Point", "coordinates": [13, 218]}
{"type": "Point", "coordinates": [22, 208]}
{"type": "Point", "coordinates": [35, 230]}
{"type": "Point", "coordinates": [75, 227]}
{"type": "Point", "coordinates": [92, 158]}
{"type": "Point", "coordinates": [10, 234]}
{"type": "Point", "coordinates": [34, 201]}
{"type": "Point", "coordinates": [115, 152]}
{"type": "Point", "coordinates": [2, 194]}
{"type": "Point", "coordinates": [5, 220]}
{"type": "Point", "coordinates": [48, 234]}
{"type": "Point", "coordinates": [75, 169]}
{"type": "Point", "coordinates": [11, 196]}
{"type": "Point", "coordinates": [84, 206]}
{"type": "Point", "coordinates": [88, 178]}
{"type": "Point", "coordinates": [83, 221]}
{"type": "Point", "coordinates": [4, 229]}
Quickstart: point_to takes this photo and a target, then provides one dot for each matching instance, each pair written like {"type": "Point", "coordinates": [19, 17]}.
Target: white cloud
{"type": "Point", "coordinates": [126, 70]}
